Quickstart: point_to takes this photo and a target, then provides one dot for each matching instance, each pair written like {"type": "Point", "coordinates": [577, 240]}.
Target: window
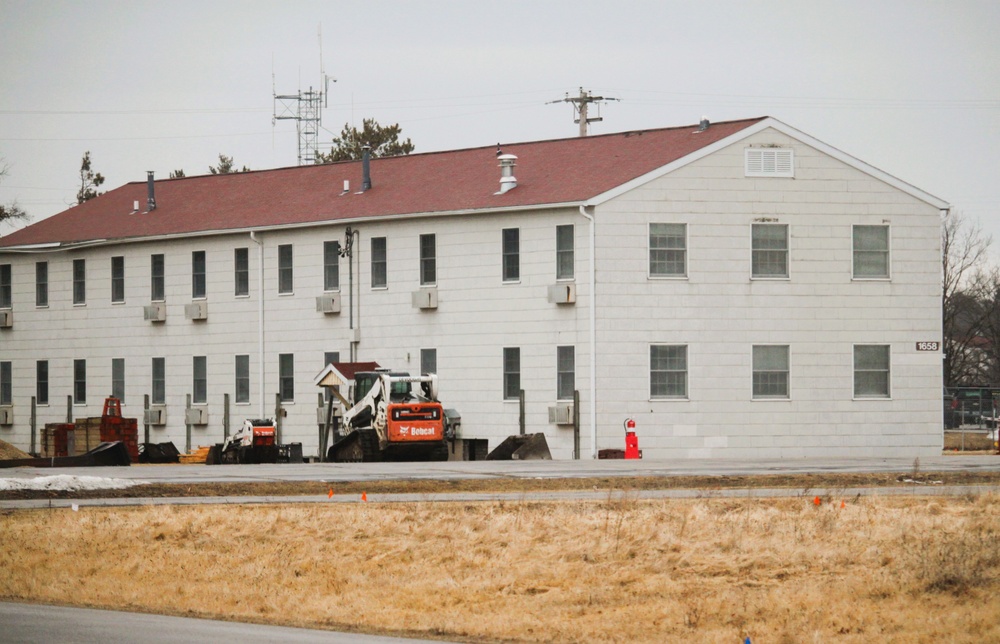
{"type": "Point", "coordinates": [769, 250]}
{"type": "Point", "coordinates": [511, 254]}
{"type": "Point", "coordinates": [159, 384]}
{"type": "Point", "coordinates": [668, 371]}
{"type": "Point", "coordinates": [770, 371]}
{"type": "Point", "coordinates": [241, 272]}
{"type": "Point", "coordinates": [6, 384]}
{"type": "Point", "coordinates": [871, 252]}
{"type": "Point", "coordinates": [428, 361]}
{"type": "Point", "coordinates": [242, 379]}
{"type": "Point", "coordinates": [331, 266]}
{"type": "Point", "coordinates": [156, 278]}
{"type": "Point", "coordinates": [565, 372]}
{"type": "Point", "coordinates": [511, 373]}
{"type": "Point", "coordinates": [79, 382]}
{"type": "Point", "coordinates": [565, 268]}
{"type": "Point", "coordinates": [871, 371]}
{"type": "Point", "coordinates": [118, 378]}
{"type": "Point", "coordinates": [379, 266]}
{"type": "Point", "coordinates": [117, 279]}
{"type": "Point", "coordinates": [198, 274]}
{"type": "Point", "coordinates": [41, 283]}
{"type": "Point", "coordinates": [667, 250]}
{"type": "Point", "coordinates": [199, 384]}
{"type": "Point", "coordinates": [42, 382]}
{"type": "Point", "coordinates": [286, 276]}
{"type": "Point", "coordinates": [428, 260]}
{"type": "Point", "coordinates": [769, 162]}
{"type": "Point", "coordinates": [286, 377]}
{"type": "Point", "coordinates": [79, 281]}
{"type": "Point", "coordinates": [6, 288]}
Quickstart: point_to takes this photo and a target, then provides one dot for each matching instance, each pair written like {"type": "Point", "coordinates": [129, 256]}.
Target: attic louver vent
{"type": "Point", "coordinates": [770, 162]}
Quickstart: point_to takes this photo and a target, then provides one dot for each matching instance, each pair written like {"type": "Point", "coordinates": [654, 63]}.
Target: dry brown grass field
{"type": "Point", "coordinates": [776, 570]}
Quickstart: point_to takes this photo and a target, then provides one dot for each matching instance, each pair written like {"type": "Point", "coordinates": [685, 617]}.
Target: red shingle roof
{"type": "Point", "coordinates": [548, 172]}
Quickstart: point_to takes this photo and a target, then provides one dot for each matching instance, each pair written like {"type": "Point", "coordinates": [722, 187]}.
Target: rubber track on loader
{"type": "Point", "coordinates": [360, 446]}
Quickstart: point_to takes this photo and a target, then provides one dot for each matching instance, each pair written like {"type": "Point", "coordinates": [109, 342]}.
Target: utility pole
{"type": "Point", "coordinates": [581, 104]}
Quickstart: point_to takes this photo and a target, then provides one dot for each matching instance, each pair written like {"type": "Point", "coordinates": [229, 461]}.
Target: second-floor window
{"type": "Point", "coordinates": [41, 283]}
{"type": "Point", "coordinates": [428, 260]}
{"type": "Point", "coordinates": [565, 268]}
{"type": "Point", "coordinates": [79, 281]}
{"type": "Point", "coordinates": [118, 279]}
{"type": "Point", "coordinates": [379, 265]}
{"type": "Point", "coordinates": [286, 275]}
{"type": "Point", "coordinates": [331, 266]}
{"type": "Point", "coordinates": [769, 250]}
{"type": "Point", "coordinates": [667, 250]}
{"type": "Point", "coordinates": [871, 252]}
{"type": "Point", "coordinates": [511, 252]}
{"type": "Point", "coordinates": [241, 272]}
{"type": "Point", "coordinates": [198, 274]}
{"type": "Point", "coordinates": [157, 288]}
{"type": "Point", "coordinates": [6, 287]}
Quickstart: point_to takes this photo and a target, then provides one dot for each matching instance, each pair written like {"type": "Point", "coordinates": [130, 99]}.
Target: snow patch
{"type": "Point", "coordinates": [67, 483]}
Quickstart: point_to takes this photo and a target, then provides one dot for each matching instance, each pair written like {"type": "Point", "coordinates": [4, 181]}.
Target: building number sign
{"type": "Point", "coordinates": [928, 346]}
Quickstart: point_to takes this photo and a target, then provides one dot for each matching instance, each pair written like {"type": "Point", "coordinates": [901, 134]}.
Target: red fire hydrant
{"type": "Point", "coordinates": [631, 440]}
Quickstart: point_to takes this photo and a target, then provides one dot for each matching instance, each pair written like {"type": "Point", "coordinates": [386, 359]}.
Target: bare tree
{"type": "Point", "coordinates": [10, 212]}
{"type": "Point", "coordinates": [964, 248]}
{"type": "Point", "coordinates": [90, 181]}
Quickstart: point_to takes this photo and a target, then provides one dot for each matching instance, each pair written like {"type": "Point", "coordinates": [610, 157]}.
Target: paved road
{"type": "Point", "coordinates": [457, 470]}
{"type": "Point", "coordinates": [31, 623]}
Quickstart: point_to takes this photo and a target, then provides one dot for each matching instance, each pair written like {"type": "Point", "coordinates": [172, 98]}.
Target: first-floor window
{"type": "Point", "coordinates": [199, 385]}
{"type": "Point", "coordinates": [243, 379]}
{"type": "Point", "coordinates": [511, 373]}
{"type": "Point", "coordinates": [286, 377]}
{"type": "Point", "coordinates": [42, 382]}
{"type": "Point", "coordinates": [159, 384]}
{"type": "Point", "coordinates": [79, 382]}
{"type": "Point", "coordinates": [565, 372]}
{"type": "Point", "coordinates": [770, 371]}
{"type": "Point", "coordinates": [329, 357]}
{"type": "Point", "coordinates": [118, 378]}
{"type": "Point", "coordinates": [428, 361]}
{"type": "Point", "coordinates": [6, 384]}
{"type": "Point", "coordinates": [668, 371]}
{"type": "Point", "coordinates": [871, 371]}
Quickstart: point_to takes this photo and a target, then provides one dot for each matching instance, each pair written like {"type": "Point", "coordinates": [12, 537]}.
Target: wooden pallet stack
{"type": "Point", "coordinates": [69, 439]}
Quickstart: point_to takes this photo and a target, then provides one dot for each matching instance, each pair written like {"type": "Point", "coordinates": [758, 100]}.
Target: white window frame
{"type": "Point", "coordinates": [6, 382]}
{"type": "Point", "coordinates": [286, 377]}
{"type": "Point", "coordinates": [79, 282]}
{"type": "Point", "coordinates": [241, 272]}
{"type": "Point", "coordinates": [650, 249]}
{"type": "Point", "coordinates": [565, 372]}
{"type": "Point", "coordinates": [769, 162]}
{"type": "Point", "coordinates": [380, 263]}
{"type": "Point", "coordinates": [508, 375]}
{"type": "Point", "coordinates": [787, 251]}
{"type": "Point", "coordinates": [286, 269]}
{"type": "Point", "coordinates": [158, 381]}
{"type": "Point", "coordinates": [887, 251]}
{"type": "Point", "coordinates": [331, 266]}
{"type": "Point", "coordinates": [41, 284]}
{"type": "Point", "coordinates": [428, 261]}
{"type": "Point", "coordinates": [157, 278]}
{"type": "Point", "coordinates": [118, 279]}
{"type": "Point", "coordinates": [565, 252]}
{"type": "Point", "coordinates": [199, 274]}
{"type": "Point", "coordinates": [428, 361]}
{"type": "Point", "coordinates": [686, 371]}
{"type": "Point", "coordinates": [118, 378]}
{"type": "Point", "coordinates": [241, 365]}
{"type": "Point", "coordinates": [42, 383]}
{"type": "Point", "coordinates": [79, 384]}
{"type": "Point", "coordinates": [754, 371]}
{"type": "Point", "coordinates": [6, 286]}
{"type": "Point", "coordinates": [510, 249]}
{"type": "Point", "coordinates": [887, 370]}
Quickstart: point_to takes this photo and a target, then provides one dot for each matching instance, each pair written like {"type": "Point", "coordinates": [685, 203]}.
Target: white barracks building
{"type": "Point", "coordinates": [740, 289]}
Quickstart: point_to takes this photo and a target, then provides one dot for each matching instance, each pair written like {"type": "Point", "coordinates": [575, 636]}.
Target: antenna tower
{"type": "Point", "coordinates": [306, 109]}
{"type": "Point", "coordinates": [580, 105]}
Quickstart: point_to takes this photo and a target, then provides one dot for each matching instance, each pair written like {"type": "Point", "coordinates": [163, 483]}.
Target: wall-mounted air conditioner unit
{"type": "Point", "coordinates": [563, 293]}
{"type": "Point", "coordinates": [196, 311]}
{"type": "Point", "coordinates": [561, 414]}
{"type": "Point", "coordinates": [155, 312]}
{"type": "Point", "coordinates": [196, 416]}
{"type": "Point", "coordinates": [156, 415]}
{"type": "Point", "coordinates": [6, 319]}
{"type": "Point", "coordinates": [328, 303]}
{"type": "Point", "coordinates": [425, 299]}
{"type": "Point", "coordinates": [6, 415]}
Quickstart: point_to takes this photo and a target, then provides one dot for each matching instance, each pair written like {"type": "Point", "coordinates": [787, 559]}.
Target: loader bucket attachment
{"type": "Point", "coordinates": [527, 447]}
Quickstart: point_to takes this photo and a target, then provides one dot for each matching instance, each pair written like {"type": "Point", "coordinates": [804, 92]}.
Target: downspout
{"type": "Point", "coordinates": [260, 321]}
{"type": "Point", "coordinates": [593, 334]}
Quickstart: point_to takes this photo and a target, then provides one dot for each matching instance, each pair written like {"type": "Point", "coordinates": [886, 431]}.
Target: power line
{"type": "Point", "coordinates": [580, 105]}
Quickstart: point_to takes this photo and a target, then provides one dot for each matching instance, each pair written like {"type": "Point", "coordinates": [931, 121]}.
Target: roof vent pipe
{"type": "Point", "coordinates": [704, 124]}
{"type": "Point", "coordinates": [150, 195]}
{"type": "Point", "coordinates": [366, 172]}
{"type": "Point", "coordinates": [507, 179]}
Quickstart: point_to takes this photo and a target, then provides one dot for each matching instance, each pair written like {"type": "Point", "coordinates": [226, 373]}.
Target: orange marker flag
{"type": "Point", "coordinates": [842, 504]}
{"type": "Point", "coordinates": [329, 494]}
{"type": "Point", "coordinates": [364, 497]}
{"type": "Point", "coordinates": [816, 501]}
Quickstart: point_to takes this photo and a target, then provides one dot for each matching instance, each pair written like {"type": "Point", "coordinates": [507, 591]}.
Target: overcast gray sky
{"type": "Point", "coordinates": [911, 87]}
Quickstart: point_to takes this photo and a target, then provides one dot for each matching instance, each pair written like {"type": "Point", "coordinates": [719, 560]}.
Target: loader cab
{"type": "Point", "coordinates": [365, 380]}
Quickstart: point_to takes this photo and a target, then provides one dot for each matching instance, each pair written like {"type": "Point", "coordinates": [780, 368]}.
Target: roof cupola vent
{"type": "Point", "coordinates": [507, 179]}
{"type": "Point", "coordinates": [150, 194]}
